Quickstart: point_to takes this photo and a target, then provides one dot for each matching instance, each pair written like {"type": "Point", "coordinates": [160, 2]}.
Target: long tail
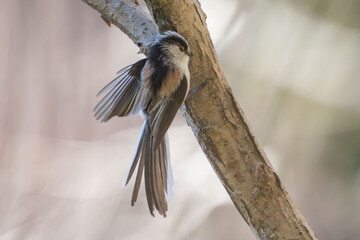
{"type": "Point", "coordinates": [157, 168]}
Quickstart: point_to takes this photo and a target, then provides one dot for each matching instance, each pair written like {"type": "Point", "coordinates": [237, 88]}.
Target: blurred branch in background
{"type": "Point", "coordinates": [226, 138]}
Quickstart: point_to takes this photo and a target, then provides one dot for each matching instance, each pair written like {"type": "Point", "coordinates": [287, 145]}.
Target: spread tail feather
{"type": "Point", "coordinates": [155, 165]}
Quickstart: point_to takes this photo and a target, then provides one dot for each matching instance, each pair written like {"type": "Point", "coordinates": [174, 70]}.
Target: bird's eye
{"type": "Point", "coordinates": [182, 48]}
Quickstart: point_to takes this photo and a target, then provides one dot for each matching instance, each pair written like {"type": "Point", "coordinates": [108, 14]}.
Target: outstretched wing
{"type": "Point", "coordinates": [123, 96]}
{"type": "Point", "coordinates": [161, 118]}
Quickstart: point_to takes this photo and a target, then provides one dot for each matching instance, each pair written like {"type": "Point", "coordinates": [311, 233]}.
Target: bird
{"type": "Point", "coordinates": [154, 87]}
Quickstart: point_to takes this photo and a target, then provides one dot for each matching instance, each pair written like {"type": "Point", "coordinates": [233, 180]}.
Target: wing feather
{"type": "Point", "coordinates": [106, 104]}
{"type": "Point", "coordinates": [113, 82]}
{"type": "Point", "coordinates": [163, 117]}
{"type": "Point", "coordinates": [123, 93]}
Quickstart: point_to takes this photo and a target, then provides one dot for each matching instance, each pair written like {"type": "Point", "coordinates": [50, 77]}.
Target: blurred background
{"type": "Point", "coordinates": [293, 66]}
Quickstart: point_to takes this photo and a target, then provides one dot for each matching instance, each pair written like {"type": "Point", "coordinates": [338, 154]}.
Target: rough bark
{"type": "Point", "coordinates": [215, 117]}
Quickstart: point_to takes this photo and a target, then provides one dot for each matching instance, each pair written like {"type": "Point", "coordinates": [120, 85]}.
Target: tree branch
{"type": "Point", "coordinates": [215, 117]}
{"type": "Point", "coordinates": [130, 18]}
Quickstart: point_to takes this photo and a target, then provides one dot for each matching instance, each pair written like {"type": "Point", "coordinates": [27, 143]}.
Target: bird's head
{"type": "Point", "coordinates": [171, 47]}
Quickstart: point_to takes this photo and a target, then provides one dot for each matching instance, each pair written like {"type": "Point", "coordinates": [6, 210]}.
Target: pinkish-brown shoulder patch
{"type": "Point", "coordinates": [170, 82]}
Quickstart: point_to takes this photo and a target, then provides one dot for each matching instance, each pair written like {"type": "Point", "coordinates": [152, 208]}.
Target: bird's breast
{"type": "Point", "coordinates": [170, 82]}
{"type": "Point", "coordinates": [161, 79]}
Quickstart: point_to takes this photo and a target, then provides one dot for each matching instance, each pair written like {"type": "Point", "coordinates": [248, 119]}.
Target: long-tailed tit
{"type": "Point", "coordinates": [154, 87]}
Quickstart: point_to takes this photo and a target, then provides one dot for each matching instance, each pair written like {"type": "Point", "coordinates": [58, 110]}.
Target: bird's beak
{"type": "Point", "coordinates": [190, 54]}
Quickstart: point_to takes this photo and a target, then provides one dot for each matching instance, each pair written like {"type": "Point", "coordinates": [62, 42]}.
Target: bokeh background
{"type": "Point", "coordinates": [293, 66]}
